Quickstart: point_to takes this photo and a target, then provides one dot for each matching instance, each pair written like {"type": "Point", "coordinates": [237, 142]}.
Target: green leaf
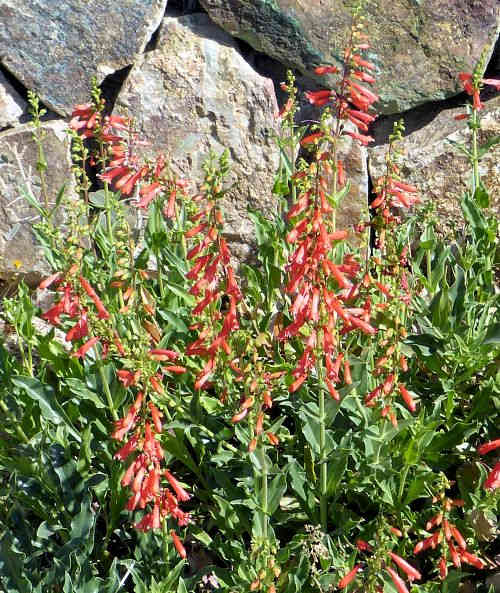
{"type": "Point", "coordinates": [484, 148]}
{"type": "Point", "coordinates": [59, 198]}
{"type": "Point", "coordinates": [276, 490]}
{"type": "Point", "coordinates": [181, 293]}
{"type": "Point", "coordinates": [297, 479]}
{"type": "Point", "coordinates": [457, 293]}
{"type": "Point", "coordinates": [473, 216]}
{"type": "Point", "coordinates": [174, 320]}
{"type": "Point", "coordinates": [336, 469]}
{"type": "Point", "coordinates": [12, 575]}
{"type": "Point", "coordinates": [340, 195]}
{"type": "Point", "coordinates": [30, 198]}
{"type": "Point", "coordinates": [493, 335]}
{"type": "Point", "coordinates": [439, 268]}
{"type": "Point", "coordinates": [481, 196]}
{"type": "Point", "coordinates": [428, 238]}
{"type": "Point", "coordinates": [417, 488]}
{"type": "Point", "coordinates": [98, 198]}
{"type": "Point", "coordinates": [201, 536]}
{"type": "Point", "coordinates": [78, 388]}
{"type": "Point", "coordinates": [460, 147]}
{"type": "Point", "coordinates": [285, 161]}
{"type": "Point", "coordinates": [44, 396]}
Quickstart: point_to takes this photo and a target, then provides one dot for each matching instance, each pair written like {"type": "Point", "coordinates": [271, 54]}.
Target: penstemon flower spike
{"type": "Point", "coordinates": [447, 536]}
{"type": "Point", "coordinates": [370, 572]}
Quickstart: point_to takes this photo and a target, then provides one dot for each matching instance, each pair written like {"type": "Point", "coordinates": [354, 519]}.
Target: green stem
{"type": "Point", "coordinates": [157, 251]}
{"type": "Point", "coordinates": [263, 489]}
{"type": "Point", "coordinates": [107, 391]}
{"type": "Point", "coordinates": [379, 448]}
{"type": "Point", "coordinates": [402, 482]}
{"type": "Point", "coordinates": [180, 230]}
{"type": "Point", "coordinates": [14, 422]}
{"type": "Point", "coordinates": [108, 215]}
{"type": "Point", "coordinates": [429, 267]}
{"type": "Point", "coordinates": [166, 536]}
{"type": "Point", "coordinates": [323, 469]}
{"type": "Point", "coordinates": [475, 154]}
{"type": "Point", "coordinates": [41, 168]}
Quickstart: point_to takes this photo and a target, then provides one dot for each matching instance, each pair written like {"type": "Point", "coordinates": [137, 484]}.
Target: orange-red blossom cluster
{"type": "Point", "coordinates": [410, 571]}
{"type": "Point", "coordinates": [448, 536]}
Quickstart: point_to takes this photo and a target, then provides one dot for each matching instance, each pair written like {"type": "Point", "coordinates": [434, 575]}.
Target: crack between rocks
{"type": "Point", "coordinates": [22, 91]}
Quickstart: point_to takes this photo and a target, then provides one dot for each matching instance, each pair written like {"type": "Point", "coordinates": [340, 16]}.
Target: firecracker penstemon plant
{"type": "Point", "coordinates": [189, 426]}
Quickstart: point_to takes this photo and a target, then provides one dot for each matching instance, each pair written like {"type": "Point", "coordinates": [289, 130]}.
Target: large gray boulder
{"type": "Point", "coordinates": [195, 93]}
{"type": "Point", "coordinates": [418, 47]}
{"type": "Point", "coordinates": [432, 162]}
{"type": "Point", "coordinates": [20, 252]}
{"type": "Point", "coordinates": [56, 47]}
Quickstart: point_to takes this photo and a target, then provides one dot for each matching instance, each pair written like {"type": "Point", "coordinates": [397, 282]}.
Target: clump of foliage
{"type": "Point", "coordinates": [324, 420]}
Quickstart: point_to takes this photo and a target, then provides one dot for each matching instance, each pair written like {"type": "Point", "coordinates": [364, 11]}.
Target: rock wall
{"type": "Point", "coordinates": [200, 75]}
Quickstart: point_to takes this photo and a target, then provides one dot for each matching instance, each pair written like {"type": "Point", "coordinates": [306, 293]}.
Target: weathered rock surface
{"type": "Point", "coordinates": [353, 208]}
{"type": "Point", "coordinates": [418, 47]}
{"type": "Point", "coordinates": [440, 170]}
{"type": "Point", "coordinates": [56, 47]}
{"type": "Point", "coordinates": [12, 105]}
{"type": "Point", "coordinates": [195, 93]}
{"type": "Point", "coordinates": [19, 251]}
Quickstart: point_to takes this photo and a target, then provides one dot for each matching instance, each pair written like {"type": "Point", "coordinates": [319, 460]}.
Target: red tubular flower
{"type": "Point", "coordinates": [487, 447]}
{"type": "Point", "coordinates": [435, 521]}
{"type": "Point", "coordinates": [128, 378]}
{"type": "Point", "coordinates": [492, 482]}
{"type": "Point", "coordinates": [365, 140]}
{"type": "Point", "coordinates": [239, 416]}
{"type": "Point", "coordinates": [125, 424]}
{"type": "Point", "coordinates": [84, 119]}
{"type": "Point", "coordinates": [297, 383]}
{"type": "Point", "coordinates": [466, 80]}
{"type": "Point", "coordinates": [181, 494]}
{"type": "Point", "coordinates": [176, 369]}
{"type": "Point", "coordinates": [471, 559]}
{"type": "Point", "coordinates": [178, 545]}
{"type": "Point", "coordinates": [319, 98]}
{"type": "Point", "coordinates": [322, 70]}
{"type": "Point", "coordinates": [429, 542]}
{"type": "Point", "coordinates": [363, 546]}
{"type": "Point", "coordinates": [49, 280]}
{"type": "Point", "coordinates": [156, 415]}
{"type": "Point", "coordinates": [492, 82]}
{"type": "Point", "coordinates": [111, 174]}
{"type": "Point", "coordinates": [443, 568]}
{"type": "Point", "coordinates": [82, 351]}
{"type": "Point", "coordinates": [455, 557]}
{"type": "Point", "coordinates": [148, 193]}
{"type": "Point", "coordinates": [405, 394]}
{"type": "Point", "coordinates": [79, 330]}
{"type": "Point", "coordinates": [127, 449]}
{"type": "Point", "coordinates": [349, 577]}
{"type": "Point", "coordinates": [311, 138]}
{"type": "Point", "coordinates": [363, 326]}
{"type": "Point", "coordinates": [162, 354]}
{"type": "Point", "coordinates": [102, 312]}
{"type": "Point", "coordinates": [273, 439]}
{"type": "Point", "coordinates": [411, 572]}
{"type": "Point", "coordinates": [397, 580]}
{"type": "Point", "coordinates": [458, 537]}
